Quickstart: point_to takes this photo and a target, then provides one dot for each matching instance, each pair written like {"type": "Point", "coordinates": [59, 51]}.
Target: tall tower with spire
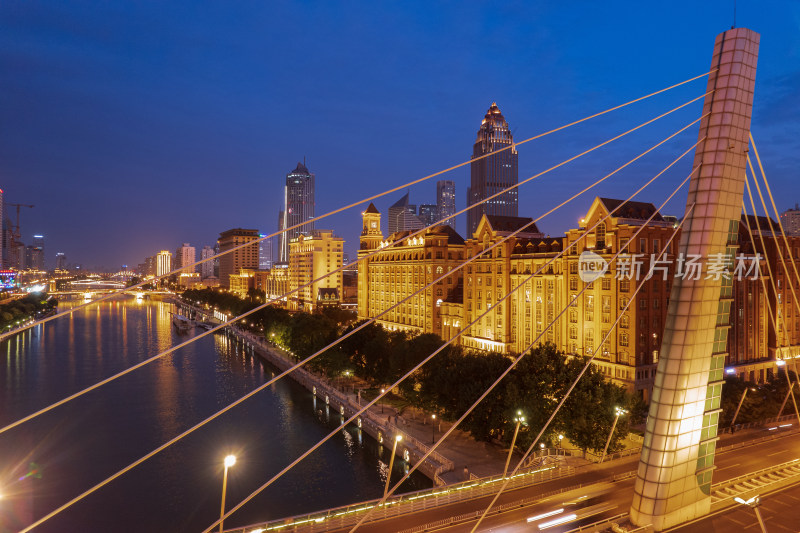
{"type": "Point", "coordinates": [493, 173]}
{"type": "Point", "coordinates": [371, 237]}
{"type": "Point", "coordinates": [298, 202]}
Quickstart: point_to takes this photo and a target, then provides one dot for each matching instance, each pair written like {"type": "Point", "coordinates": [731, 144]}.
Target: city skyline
{"type": "Point", "coordinates": [131, 134]}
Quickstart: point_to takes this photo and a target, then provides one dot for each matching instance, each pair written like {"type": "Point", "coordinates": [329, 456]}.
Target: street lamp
{"type": "Point", "coordinates": [383, 391]}
{"type": "Point", "coordinates": [433, 428]}
{"type": "Point", "coordinates": [619, 411]}
{"type": "Point", "coordinates": [560, 438]}
{"type": "Point", "coordinates": [519, 419]}
{"type": "Point", "coordinates": [230, 460]}
{"type": "Point", "coordinates": [753, 503]}
{"type": "Point", "coordinates": [397, 439]}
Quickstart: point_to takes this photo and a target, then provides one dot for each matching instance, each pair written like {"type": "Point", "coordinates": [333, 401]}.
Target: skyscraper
{"type": "Point", "coordinates": [244, 257]}
{"type": "Point", "coordinates": [790, 220]}
{"type": "Point", "coordinates": [403, 216]}
{"type": "Point", "coordinates": [163, 262]}
{"type": "Point", "coordinates": [185, 255]}
{"type": "Point", "coordinates": [264, 252]}
{"type": "Point", "coordinates": [206, 267]}
{"type": "Point", "coordinates": [428, 214]}
{"type": "Point", "coordinates": [493, 173]}
{"type": "Point", "coordinates": [446, 201]}
{"type": "Point", "coordinates": [61, 261]}
{"type": "Point", "coordinates": [298, 201]}
{"type": "Point", "coordinates": [34, 258]}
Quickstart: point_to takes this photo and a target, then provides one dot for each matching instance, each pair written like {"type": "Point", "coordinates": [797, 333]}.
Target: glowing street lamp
{"type": "Point", "coordinates": [619, 411]}
{"type": "Point", "coordinates": [753, 503]}
{"type": "Point", "coordinates": [433, 429]}
{"type": "Point", "coordinates": [383, 391]}
{"type": "Point", "coordinates": [230, 460]}
{"type": "Point", "coordinates": [519, 419]}
{"type": "Point", "coordinates": [397, 439]}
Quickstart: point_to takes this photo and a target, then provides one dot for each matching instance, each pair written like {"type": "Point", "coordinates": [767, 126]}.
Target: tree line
{"type": "Point", "coordinates": [455, 378]}
{"type": "Point", "coordinates": [22, 309]}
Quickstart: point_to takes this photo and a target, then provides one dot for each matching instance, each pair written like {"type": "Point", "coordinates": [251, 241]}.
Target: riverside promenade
{"type": "Point", "coordinates": [459, 458]}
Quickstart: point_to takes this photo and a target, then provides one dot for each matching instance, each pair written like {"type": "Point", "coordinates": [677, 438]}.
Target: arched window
{"type": "Point", "coordinates": [600, 235]}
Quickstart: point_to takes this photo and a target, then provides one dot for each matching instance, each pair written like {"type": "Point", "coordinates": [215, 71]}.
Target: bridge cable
{"type": "Point", "coordinates": [359, 202]}
{"type": "Point", "coordinates": [772, 317]}
{"type": "Point", "coordinates": [237, 402]}
{"type": "Point", "coordinates": [428, 358]}
{"type": "Point", "coordinates": [588, 361]}
{"type": "Point", "coordinates": [265, 385]}
{"type": "Point", "coordinates": [338, 269]}
{"type": "Point", "coordinates": [779, 316]}
{"type": "Point", "coordinates": [519, 358]}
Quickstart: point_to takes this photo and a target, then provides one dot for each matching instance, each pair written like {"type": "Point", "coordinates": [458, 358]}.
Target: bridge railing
{"type": "Point", "coordinates": [411, 502]}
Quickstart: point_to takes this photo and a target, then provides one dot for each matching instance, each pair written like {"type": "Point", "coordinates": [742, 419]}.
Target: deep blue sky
{"type": "Point", "coordinates": [137, 126]}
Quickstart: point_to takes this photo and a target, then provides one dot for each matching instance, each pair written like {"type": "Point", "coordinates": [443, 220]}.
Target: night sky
{"type": "Point", "coordinates": [134, 127]}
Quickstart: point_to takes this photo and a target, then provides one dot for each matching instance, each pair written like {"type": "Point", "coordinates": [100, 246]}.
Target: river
{"type": "Point", "coordinates": [78, 445]}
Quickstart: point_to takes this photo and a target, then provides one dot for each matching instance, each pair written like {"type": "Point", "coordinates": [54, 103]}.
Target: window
{"type": "Point", "coordinates": [624, 285]}
{"type": "Point", "coordinates": [623, 339]}
{"type": "Point", "coordinates": [643, 303]}
{"type": "Point", "coordinates": [656, 246]}
{"type": "Point", "coordinates": [624, 321]}
{"type": "Point", "coordinates": [606, 284]}
{"type": "Point", "coordinates": [600, 235]}
{"type": "Point", "coordinates": [642, 246]}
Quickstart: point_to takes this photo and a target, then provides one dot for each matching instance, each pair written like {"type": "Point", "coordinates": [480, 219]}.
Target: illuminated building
{"type": "Point", "coordinates": [403, 216]}
{"type": "Point", "coordinates": [185, 255]}
{"type": "Point", "coordinates": [298, 206]}
{"type": "Point", "coordinates": [400, 270]}
{"type": "Point", "coordinates": [264, 252]}
{"type": "Point", "coordinates": [241, 282]}
{"type": "Point", "coordinates": [311, 259]}
{"type": "Point", "coordinates": [2, 233]}
{"type": "Point", "coordinates": [163, 263]}
{"type": "Point", "coordinates": [207, 267]}
{"type": "Point", "coordinates": [275, 283]}
{"type": "Point", "coordinates": [61, 261]}
{"type": "Point", "coordinates": [428, 214]}
{"type": "Point", "coordinates": [494, 173]}
{"type": "Point", "coordinates": [488, 278]}
{"type": "Point", "coordinates": [244, 257]}
{"type": "Point", "coordinates": [790, 220]}
{"type": "Point", "coordinates": [446, 201]}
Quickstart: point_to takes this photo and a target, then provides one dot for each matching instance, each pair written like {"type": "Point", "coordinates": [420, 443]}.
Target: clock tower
{"type": "Point", "coordinates": [371, 235]}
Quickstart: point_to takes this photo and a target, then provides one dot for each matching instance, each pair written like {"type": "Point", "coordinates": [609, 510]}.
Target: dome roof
{"type": "Point", "coordinates": [494, 118]}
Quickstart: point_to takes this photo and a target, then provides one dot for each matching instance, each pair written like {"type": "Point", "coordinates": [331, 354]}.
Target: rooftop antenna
{"type": "Point", "coordinates": [734, 14]}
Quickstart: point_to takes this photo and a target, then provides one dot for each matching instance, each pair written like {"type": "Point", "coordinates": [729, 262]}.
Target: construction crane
{"type": "Point", "coordinates": [15, 231]}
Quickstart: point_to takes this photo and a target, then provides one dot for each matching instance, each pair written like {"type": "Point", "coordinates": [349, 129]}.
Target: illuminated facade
{"type": "Point", "coordinates": [163, 263]}
{"type": "Point", "coordinates": [298, 204]}
{"type": "Point", "coordinates": [241, 282]}
{"type": "Point", "coordinates": [207, 267]}
{"type": "Point", "coordinates": [312, 259]}
{"type": "Point", "coordinates": [488, 278]}
{"type": "Point", "coordinates": [790, 219]}
{"type": "Point", "coordinates": [245, 257]}
{"type": "Point", "coordinates": [446, 201]}
{"type": "Point", "coordinates": [185, 255]}
{"type": "Point", "coordinates": [492, 174]}
{"type": "Point", "coordinates": [398, 271]}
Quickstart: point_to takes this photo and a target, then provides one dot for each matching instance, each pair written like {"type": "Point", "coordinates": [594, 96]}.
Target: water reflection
{"type": "Point", "coordinates": [89, 439]}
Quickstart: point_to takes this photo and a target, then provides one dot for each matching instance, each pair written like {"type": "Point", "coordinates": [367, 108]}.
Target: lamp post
{"type": "Point", "coordinates": [383, 391]}
{"type": "Point", "coordinates": [230, 460]}
{"type": "Point", "coordinates": [433, 428]}
{"type": "Point", "coordinates": [753, 503]}
{"type": "Point", "coordinates": [397, 439]}
{"type": "Point", "coordinates": [560, 438]}
{"type": "Point", "coordinates": [519, 419]}
{"type": "Point", "coordinates": [619, 411]}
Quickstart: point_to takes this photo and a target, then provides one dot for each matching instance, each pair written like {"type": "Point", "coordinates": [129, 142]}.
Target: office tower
{"type": "Point", "coordinates": [298, 206]}
{"type": "Point", "coordinates": [244, 257]}
{"type": "Point", "coordinates": [206, 267]}
{"type": "Point", "coordinates": [403, 216]}
{"type": "Point", "coordinates": [428, 214]}
{"type": "Point", "coordinates": [264, 252]}
{"type": "Point", "coordinates": [313, 261]}
{"type": "Point", "coordinates": [2, 233]}
{"type": "Point", "coordinates": [163, 262]}
{"type": "Point", "coordinates": [493, 173]}
{"type": "Point", "coordinates": [790, 220]}
{"type": "Point", "coordinates": [34, 258]}
{"type": "Point", "coordinates": [61, 261]}
{"type": "Point", "coordinates": [446, 201]}
{"type": "Point", "coordinates": [185, 255]}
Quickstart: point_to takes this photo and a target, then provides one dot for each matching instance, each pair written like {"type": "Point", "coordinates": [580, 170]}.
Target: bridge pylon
{"type": "Point", "coordinates": [673, 480]}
